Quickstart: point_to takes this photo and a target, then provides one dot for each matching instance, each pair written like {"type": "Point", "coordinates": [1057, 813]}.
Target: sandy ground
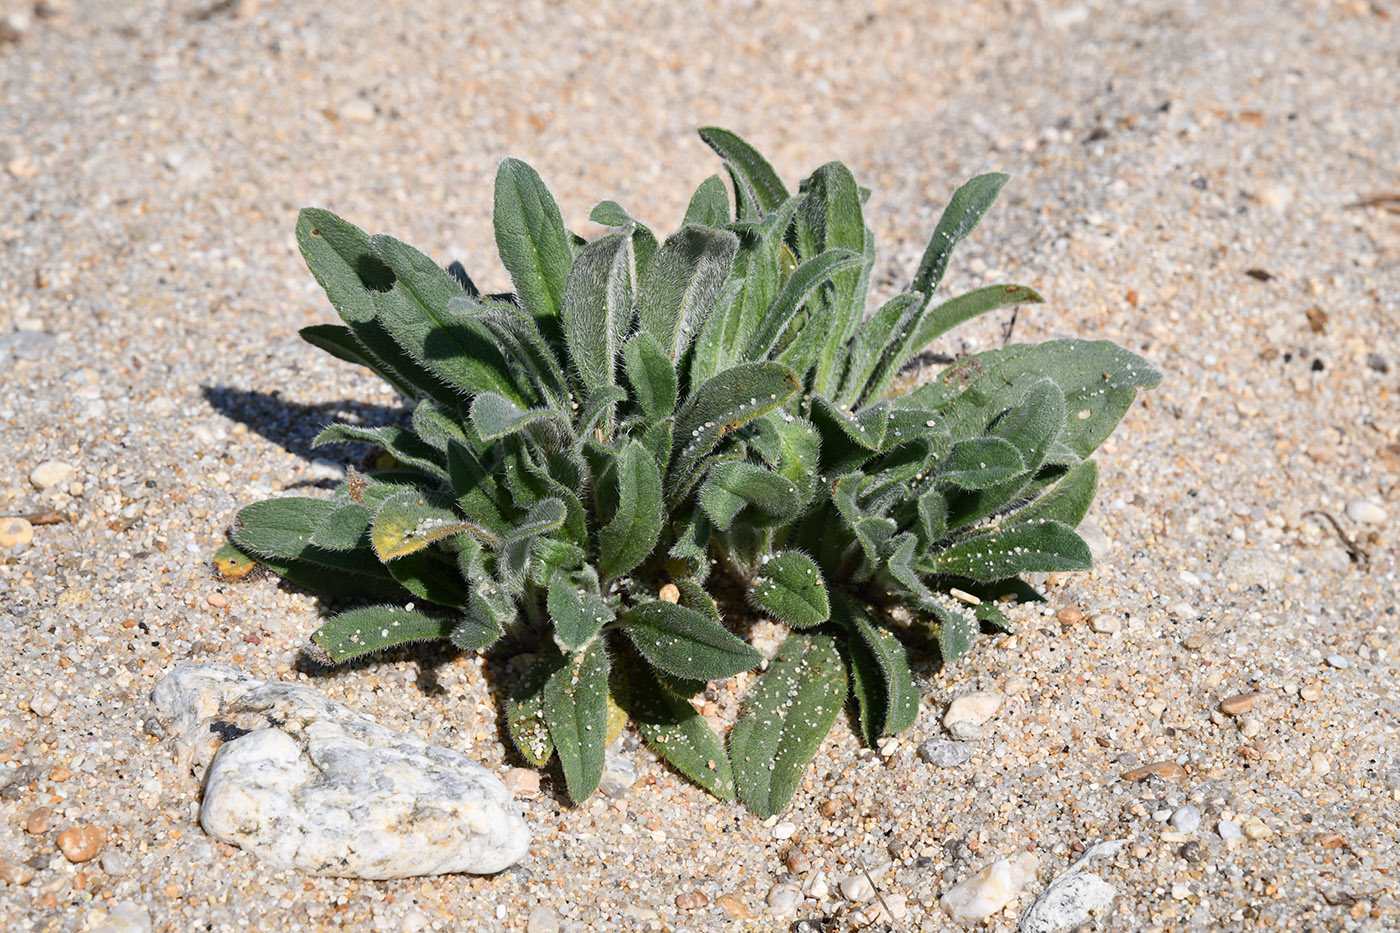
{"type": "Point", "coordinates": [1187, 179]}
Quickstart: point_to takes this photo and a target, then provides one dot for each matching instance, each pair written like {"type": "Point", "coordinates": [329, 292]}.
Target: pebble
{"type": "Point", "coordinates": [968, 712]}
{"type": "Point", "coordinates": [857, 888]}
{"type": "Point", "coordinates": [816, 886]}
{"type": "Point", "coordinates": [1228, 829]}
{"type": "Point", "coordinates": [784, 898]}
{"type": "Point", "coordinates": [114, 863]}
{"type": "Point", "coordinates": [217, 600]}
{"type": "Point", "coordinates": [1366, 512]}
{"type": "Point", "coordinates": [1105, 624]}
{"type": "Point", "coordinates": [1184, 611]}
{"type": "Point", "coordinates": [1337, 661]}
{"type": "Point", "coordinates": [522, 782]}
{"type": "Point", "coordinates": [619, 774]}
{"type": "Point", "coordinates": [43, 703]}
{"type": "Point", "coordinates": [1320, 764]}
{"type": "Point", "coordinates": [542, 920]}
{"type": "Point", "coordinates": [357, 110]}
{"type": "Point", "coordinates": [21, 166]}
{"type": "Point", "coordinates": [1250, 727]}
{"type": "Point", "coordinates": [1068, 904]}
{"type": "Point", "coordinates": [1249, 566]}
{"type": "Point", "coordinates": [784, 830]}
{"type": "Point", "coordinates": [51, 473]}
{"type": "Point", "coordinates": [1311, 692]}
{"type": "Point", "coordinates": [1168, 770]}
{"type": "Point", "coordinates": [1256, 829]}
{"type": "Point", "coordinates": [15, 873]}
{"type": "Point", "coordinates": [944, 753]}
{"type": "Point", "coordinates": [38, 821]}
{"type": "Point", "coordinates": [15, 532]}
{"type": "Point", "coordinates": [1186, 818]}
{"type": "Point", "coordinates": [797, 862]}
{"type": "Point", "coordinates": [82, 842]}
{"type": "Point", "coordinates": [1240, 703]}
{"type": "Point", "coordinates": [1094, 537]}
{"type": "Point", "coordinates": [691, 900]}
{"type": "Point", "coordinates": [987, 892]}
{"type": "Point", "coordinates": [731, 905]}
{"type": "Point", "coordinates": [126, 917]}
{"type": "Point", "coordinates": [1070, 615]}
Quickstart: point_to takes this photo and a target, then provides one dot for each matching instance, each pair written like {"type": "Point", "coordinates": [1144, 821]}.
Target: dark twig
{"type": "Point", "coordinates": [42, 518]}
{"type": "Point", "coordinates": [1358, 556]}
{"type": "Point", "coordinates": [1009, 326]}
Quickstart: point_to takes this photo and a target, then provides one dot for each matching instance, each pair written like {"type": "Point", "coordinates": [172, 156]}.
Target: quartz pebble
{"type": "Point", "coordinates": [114, 863]}
{"type": "Point", "coordinates": [126, 917]}
{"type": "Point", "coordinates": [15, 873]}
{"type": "Point", "coordinates": [542, 920]}
{"type": "Point", "coordinates": [969, 712]}
{"type": "Point", "coordinates": [619, 774]}
{"type": "Point", "coordinates": [51, 473]}
{"type": "Point", "coordinates": [1337, 661]}
{"type": "Point", "coordinates": [522, 782]}
{"type": "Point", "coordinates": [1250, 727]}
{"type": "Point", "coordinates": [15, 532]}
{"type": "Point", "coordinates": [816, 885]}
{"type": "Point", "coordinates": [1239, 704]}
{"type": "Point", "coordinates": [82, 842]}
{"type": "Point", "coordinates": [1228, 829]}
{"type": "Point", "coordinates": [784, 898]}
{"type": "Point", "coordinates": [1105, 624]}
{"type": "Point", "coordinates": [1366, 511]}
{"type": "Point", "coordinates": [857, 888]}
{"type": "Point", "coordinates": [784, 830]}
{"type": "Point", "coordinates": [1168, 770]}
{"type": "Point", "coordinates": [38, 821]}
{"type": "Point", "coordinates": [944, 753]}
{"type": "Point", "coordinates": [987, 892]}
{"type": "Point", "coordinates": [357, 110]}
{"type": "Point", "coordinates": [1186, 818]}
{"type": "Point", "coordinates": [43, 703]}
{"type": "Point", "coordinates": [1256, 829]}
{"type": "Point", "coordinates": [691, 900]}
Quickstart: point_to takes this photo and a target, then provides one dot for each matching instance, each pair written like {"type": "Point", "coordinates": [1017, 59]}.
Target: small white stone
{"type": "Point", "coordinates": [784, 898]}
{"type": "Point", "coordinates": [1161, 816]}
{"type": "Point", "coordinates": [1229, 829]}
{"type": "Point", "coordinates": [974, 709]}
{"type": "Point", "coordinates": [357, 110]}
{"type": "Point", "coordinates": [816, 885]}
{"type": "Point", "coordinates": [619, 774]}
{"type": "Point", "coordinates": [51, 473]}
{"type": "Point", "coordinates": [784, 830]}
{"type": "Point", "coordinates": [43, 703]}
{"type": "Point", "coordinates": [1186, 818]}
{"type": "Point", "coordinates": [1337, 661]}
{"type": "Point", "coordinates": [126, 917]}
{"type": "Point", "coordinates": [1184, 611]}
{"type": "Point", "coordinates": [1180, 891]}
{"type": "Point", "coordinates": [991, 889]}
{"type": "Point", "coordinates": [542, 920]}
{"type": "Point", "coordinates": [1366, 512]}
{"type": "Point", "coordinates": [857, 888]}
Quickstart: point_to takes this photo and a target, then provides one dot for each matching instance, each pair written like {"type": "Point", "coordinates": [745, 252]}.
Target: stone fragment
{"type": "Point", "coordinates": [1338, 661]}
{"type": "Point", "coordinates": [522, 782]}
{"type": "Point", "coordinates": [1240, 703]}
{"type": "Point", "coordinates": [731, 905]}
{"type": "Point", "coordinates": [784, 898]}
{"type": "Point", "coordinates": [15, 873]}
{"type": "Point", "coordinates": [43, 703]}
{"type": "Point", "coordinates": [1250, 726]}
{"type": "Point", "coordinates": [1228, 829]}
{"type": "Point", "coordinates": [1366, 511]}
{"type": "Point", "coordinates": [38, 821]}
{"type": "Point", "coordinates": [15, 532]}
{"type": "Point", "coordinates": [1072, 898]}
{"type": "Point", "coordinates": [816, 886]}
{"type": "Point", "coordinates": [969, 712]}
{"type": "Point", "coordinates": [1319, 764]}
{"type": "Point", "coordinates": [1248, 566]}
{"type": "Point", "coordinates": [857, 888]}
{"type": "Point", "coordinates": [691, 900]}
{"type": "Point", "coordinates": [357, 110]}
{"type": "Point", "coordinates": [303, 782]}
{"type": "Point", "coordinates": [1168, 770]}
{"type": "Point", "coordinates": [82, 842]}
{"type": "Point", "coordinates": [1070, 615]}
{"type": "Point", "coordinates": [1256, 829]}
{"type": "Point", "coordinates": [126, 917]}
{"type": "Point", "coordinates": [784, 830]}
{"type": "Point", "coordinates": [114, 863]}
{"type": "Point", "coordinates": [797, 862]}
{"type": "Point", "coordinates": [51, 473]}
{"type": "Point", "coordinates": [942, 753]}
{"type": "Point", "coordinates": [542, 920]}
{"type": "Point", "coordinates": [619, 774]}
{"type": "Point", "coordinates": [1186, 818]}
{"type": "Point", "coordinates": [1105, 624]}
{"type": "Point", "coordinates": [1330, 841]}
{"type": "Point", "coordinates": [991, 889]}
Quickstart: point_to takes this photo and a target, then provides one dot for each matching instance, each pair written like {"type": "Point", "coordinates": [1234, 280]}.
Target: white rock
{"type": "Point", "coordinates": [1094, 537]}
{"type": "Point", "coordinates": [1186, 818]}
{"type": "Point", "coordinates": [857, 888]}
{"type": "Point", "coordinates": [357, 110]}
{"type": "Point", "coordinates": [816, 886]}
{"type": "Point", "coordinates": [1067, 903]}
{"type": "Point", "coordinates": [991, 889]}
{"type": "Point", "coordinates": [126, 917]}
{"type": "Point", "coordinates": [542, 920]}
{"type": "Point", "coordinates": [1366, 511]}
{"type": "Point", "coordinates": [784, 898]}
{"type": "Point", "coordinates": [43, 703]}
{"type": "Point", "coordinates": [971, 710]}
{"type": "Point", "coordinates": [784, 830]}
{"type": "Point", "coordinates": [619, 774]}
{"type": "Point", "coordinates": [51, 473]}
{"type": "Point", "coordinates": [303, 782]}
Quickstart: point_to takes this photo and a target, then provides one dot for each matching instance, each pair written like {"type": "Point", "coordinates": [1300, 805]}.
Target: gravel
{"type": "Point", "coordinates": [1163, 156]}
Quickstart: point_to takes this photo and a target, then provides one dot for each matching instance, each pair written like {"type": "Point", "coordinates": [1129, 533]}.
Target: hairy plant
{"type": "Point", "coordinates": [640, 419]}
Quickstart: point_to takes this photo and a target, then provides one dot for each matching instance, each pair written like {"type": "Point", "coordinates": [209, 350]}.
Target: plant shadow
{"type": "Point", "coordinates": [292, 425]}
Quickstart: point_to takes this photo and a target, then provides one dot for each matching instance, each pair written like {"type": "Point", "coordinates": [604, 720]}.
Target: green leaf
{"type": "Point", "coordinates": [279, 530]}
{"type": "Point", "coordinates": [895, 704]}
{"type": "Point", "coordinates": [543, 516]}
{"type": "Point", "coordinates": [682, 283]}
{"type": "Point", "coordinates": [866, 428]}
{"type": "Point", "coordinates": [343, 529]}
{"type": "Point", "coordinates": [597, 410]}
{"type": "Point", "coordinates": [576, 710]}
{"type": "Point", "coordinates": [721, 404]}
{"type": "Point", "coordinates": [729, 487]}
{"type": "Point", "coordinates": [536, 372]}
{"type": "Point", "coordinates": [709, 206]}
{"type": "Point", "coordinates": [679, 734]}
{"type": "Point", "coordinates": [577, 611]}
{"type": "Point", "coordinates": [532, 242]}
{"type": "Point", "coordinates": [964, 210]}
{"type": "Point", "coordinates": [635, 526]}
{"type": "Point", "coordinates": [807, 278]}
{"type": "Point", "coordinates": [404, 446]}
{"type": "Point", "coordinates": [525, 710]}
{"type": "Point", "coordinates": [831, 217]}
{"type": "Point", "coordinates": [786, 715]}
{"type": "Point", "coordinates": [410, 520]}
{"type": "Point", "coordinates": [791, 589]}
{"type": "Point", "coordinates": [980, 462]}
{"type": "Point", "coordinates": [869, 345]}
{"type": "Point", "coordinates": [609, 214]}
{"type": "Point", "coordinates": [686, 643]}
{"type": "Point", "coordinates": [1069, 500]}
{"type": "Point", "coordinates": [750, 170]}
{"type": "Point", "coordinates": [375, 628]}
{"type": "Point", "coordinates": [1008, 550]}
{"type": "Point", "coordinates": [495, 416]}
{"type": "Point", "coordinates": [957, 627]}
{"type": "Point", "coordinates": [456, 349]}
{"type": "Point", "coordinates": [597, 309]}
{"type": "Point", "coordinates": [340, 342]}
{"type": "Point", "coordinates": [652, 376]}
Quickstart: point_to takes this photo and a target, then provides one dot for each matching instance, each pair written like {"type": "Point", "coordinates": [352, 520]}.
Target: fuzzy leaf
{"type": "Point", "coordinates": [806, 279]}
{"type": "Point", "coordinates": [729, 487]}
{"type": "Point", "coordinates": [495, 416]}
{"type": "Point", "coordinates": [635, 526]}
{"type": "Point", "coordinates": [791, 589]}
{"type": "Point", "coordinates": [679, 734]}
{"type": "Point", "coordinates": [868, 346]}
{"type": "Point", "coordinates": [532, 242]}
{"type": "Point", "coordinates": [964, 210]}
{"type": "Point", "coordinates": [597, 410]}
{"type": "Point", "coordinates": [1069, 499]}
{"type": "Point", "coordinates": [404, 446]}
{"type": "Point", "coordinates": [786, 715]}
{"type": "Point", "coordinates": [340, 342]}
{"type": "Point", "coordinates": [343, 529]}
{"type": "Point", "coordinates": [375, 628]}
{"type": "Point", "coordinates": [525, 710]}
{"type": "Point", "coordinates": [518, 338]}
{"type": "Point", "coordinates": [1008, 550]}
{"type": "Point", "coordinates": [411, 520]}
{"type": "Point", "coordinates": [576, 710]}
{"type": "Point", "coordinates": [682, 283]}
{"type": "Point", "coordinates": [686, 643]}
{"type": "Point", "coordinates": [831, 217]}
{"type": "Point", "coordinates": [577, 612]}
{"type": "Point", "coordinates": [597, 309]}
{"type": "Point", "coordinates": [721, 404]}
{"type": "Point", "coordinates": [609, 214]}
{"type": "Point", "coordinates": [652, 376]}
{"type": "Point", "coordinates": [894, 706]}
{"type": "Point", "coordinates": [543, 516]}
{"type": "Point", "coordinates": [709, 206]}
{"type": "Point", "coordinates": [979, 462]}
{"type": "Point", "coordinates": [750, 170]}
{"type": "Point", "coordinates": [276, 531]}
{"type": "Point", "coordinates": [957, 627]}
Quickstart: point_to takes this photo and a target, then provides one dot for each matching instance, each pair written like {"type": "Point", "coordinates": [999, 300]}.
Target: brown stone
{"type": "Point", "coordinates": [691, 900]}
{"type": "Point", "coordinates": [14, 873]}
{"type": "Point", "coordinates": [60, 774]}
{"type": "Point", "coordinates": [82, 842]}
{"type": "Point", "coordinates": [829, 808]}
{"type": "Point", "coordinates": [1167, 770]}
{"type": "Point", "coordinates": [671, 593]}
{"type": "Point", "coordinates": [1330, 841]}
{"type": "Point", "coordinates": [38, 821]}
{"type": "Point", "coordinates": [1240, 703]}
{"type": "Point", "coordinates": [734, 906]}
{"type": "Point", "coordinates": [217, 600]}
{"type": "Point", "coordinates": [1070, 615]}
